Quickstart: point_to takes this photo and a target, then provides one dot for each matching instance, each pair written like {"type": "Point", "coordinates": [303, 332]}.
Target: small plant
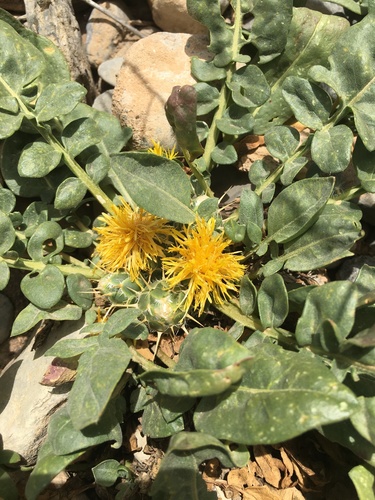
{"type": "Point", "coordinates": [133, 243]}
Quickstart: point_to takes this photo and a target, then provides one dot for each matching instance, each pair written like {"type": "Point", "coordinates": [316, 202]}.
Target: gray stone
{"type": "Point", "coordinates": [25, 405]}
{"type": "Point", "coordinates": [109, 70]}
{"type": "Point", "coordinates": [152, 67]}
{"type": "Point", "coordinates": [104, 101]}
{"type": "Point", "coordinates": [367, 203]}
{"type": "Point", "coordinates": [6, 315]}
{"type": "Point", "coordinates": [103, 33]}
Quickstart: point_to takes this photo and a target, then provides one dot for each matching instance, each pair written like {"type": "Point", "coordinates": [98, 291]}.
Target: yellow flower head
{"type": "Point", "coordinates": [158, 149]}
{"type": "Point", "coordinates": [201, 262]}
{"type": "Point", "coordinates": [131, 240]}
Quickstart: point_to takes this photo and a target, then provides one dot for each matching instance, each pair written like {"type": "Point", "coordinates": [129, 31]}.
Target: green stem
{"type": "Point", "coordinates": [31, 265]}
{"type": "Point", "coordinates": [198, 175]}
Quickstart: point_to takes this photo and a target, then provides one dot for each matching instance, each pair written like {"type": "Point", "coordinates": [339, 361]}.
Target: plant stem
{"type": "Point", "coordinates": [31, 265]}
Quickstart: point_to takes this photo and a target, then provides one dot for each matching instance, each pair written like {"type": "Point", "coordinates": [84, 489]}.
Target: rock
{"type": "Point", "coordinates": [6, 315]}
{"type": "Point", "coordinates": [152, 67]}
{"type": "Point", "coordinates": [173, 16]}
{"type": "Point", "coordinates": [324, 7]}
{"type": "Point", "coordinates": [109, 70]}
{"type": "Point", "coordinates": [103, 33]}
{"type": "Point", "coordinates": [25, 405]}
{"type": "Point", "coordinates": [350, 268]}
{"type": "Point", "coordinates": [104, 101]}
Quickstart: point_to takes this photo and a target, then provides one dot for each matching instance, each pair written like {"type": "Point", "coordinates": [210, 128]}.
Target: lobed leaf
{"type": "Point", "coordinates": [364, 162]}
{"type": "Point", "coordinates": [352, 76]}
{"type": "Point", "coordinates": [282, 142]}
{"type": "Point", "coordinates": [7, 233]}
{"type": "Point", "coordinates": [58, 99]}
{"type": "Point", "coordinates": [364, 482]}
{"type": "Point", "coordinates": [269, 32]}
{"type": "Point", "coordinates": [249, 87]}
{"type": "Point", "coordinates": [311, 38]}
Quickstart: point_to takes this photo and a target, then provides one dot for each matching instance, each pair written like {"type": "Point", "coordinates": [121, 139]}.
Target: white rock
{"type": "Point", "coordinates": [103, 33]}
{"type": "Point", "coordinates": [109, 70]}
{"type": "Point", "coordinates": [152, 67]}
{"type": "Point", "coordinates": [172, 16]}
{"type": "Point", "coordinates": [25, 405]}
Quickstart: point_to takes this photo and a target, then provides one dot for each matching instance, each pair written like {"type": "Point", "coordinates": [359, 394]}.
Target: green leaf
{"type": "Point", "coordinates": [352, 76]}
{"type": "Point", "coordinates": [77, 239]}
{"type": "Point", "coordinates": [25, 187]}
{"type": "Point", "coordinates": [236, 120]}
{"type": "Point", "coordinates": [364, 419]}
{"type": "Point", "coordinates": [120, 320]}
{"type": "Point", "coordinates": [7, 233]}
{"type": "Point", "coordinates": [291, 169]}
{"type": "Point", "coordinates": [197, 382]}
{"type": "Point", "coordinates": [66, 439]}
{"type": "Point", "coordinates": [269, 32]}
{"type": "Point", "coordinates": [235, 231]}
{"type": "Point", "coordinates": [17, 71]}
{"type": "Point", "coordinates": [224, 154]}
{"type": "Point", "coordinates": [80, 290]}
{"type": "Point", "coordinates": [248, 296]}
{"type": "Point", "coordinates": [296, 208]}
{"type": "Point", "coordinates": [364, 481]}
{"type": "Point", "coordinates": [45, 289]}
{"type": "Point", "coordinates": [96, 380]}
{"type": "Point", "coordinates": [4, 274]}
{"type": "Point", "coordinates": [249, 87]}
{"type": "Point", "coordinates": [80, 134]}
{"type": "Point", "coordinates": [310, 104]}
{"type": "Point", "coordinates": [156, 184]}
{"type": "Point", "coordinates": [206, 71]}
{"type": "Point", "coordinates": [282, 395]}
{"type": "Point", "coordinates": [364, 162]}
{"type": "Point", "coordinates": [69, 194]}
{"type": "Point", "coordinates": [221, 36]}
{"type": "Point", "coordinates": [26, 319]}
{"type": "Point", "coordinates": [7, 200]}
{"type": "Point", "coordinates": [335, 301]}
{"type": "Point", "coordinates": [38, 159]}
{"type": "Point", "coordinates": [8, 489]}
{"type": "Point", "coordinates": [311, 38]}
{"type": "Point", "coordinates": [273, 301]}
{"type": "Point", "coordinates": [207, 98]}
{"type": "Point", "coordinates": [282, 142]}
{"type": "Point", "coordinates": [47, 467]}
{"type": "Point", "coordinates": [155, 425]}
{"type": "Point", "coordinates": [69, 348]}
{"type": "Point", "coordinates": [58, 99]}
{"type": "Point", "coordinates": [328, 240]}
{"type": "Point", "coordinates": [9, 123]}
{"type": "Point", "coordinates": [107, 472]}
{"type": "Point", "coordinates": [331, 149]}
{"type": "Point", "coordinates": [47, 231]}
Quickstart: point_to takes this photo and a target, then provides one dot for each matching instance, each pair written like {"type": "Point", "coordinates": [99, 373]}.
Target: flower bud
{"type": "Point", "coordinates": [119, 288]}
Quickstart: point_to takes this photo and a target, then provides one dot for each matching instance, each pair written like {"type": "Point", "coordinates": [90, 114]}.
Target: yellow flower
{"type": "Point", "coordinates": [131, 240]}
{"type": "Point", "coordinates": [158, 149]}
{"type": "Point", "coordinates": [201, 262]}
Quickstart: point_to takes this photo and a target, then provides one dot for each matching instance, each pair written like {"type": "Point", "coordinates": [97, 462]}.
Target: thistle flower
{"type": "Point", "coordinates": [200, 261]}
{"type": "Point", "coordinates": [158, 149]}
{"type": "Point", "coordinates": [131, 240]}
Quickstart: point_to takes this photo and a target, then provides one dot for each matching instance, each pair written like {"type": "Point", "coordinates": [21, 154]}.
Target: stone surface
{"type": "Point", "coordinates": [25, 405]}
{"type": "Point", "coordinates": [104, 101]}
{"type": "Point", "coordinates": [103, 33]}
{"type": "Point", "coordinates": [172, 16]}
{"type": "Point", "coordinates": [367, 204]}
{"type": "Point", "coordinates": [109, 70]}
{"type": "Point", "coordinates": [152, 67]}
